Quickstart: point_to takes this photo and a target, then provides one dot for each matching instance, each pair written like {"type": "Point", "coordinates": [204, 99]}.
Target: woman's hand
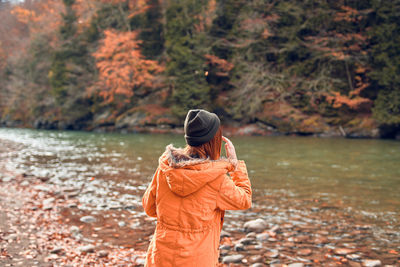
{"type": "Point", "coordinates": [230, 150]}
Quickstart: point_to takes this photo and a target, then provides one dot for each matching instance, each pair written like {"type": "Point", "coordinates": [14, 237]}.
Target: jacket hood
{"type": "Point", "coordinates": [186, 175]}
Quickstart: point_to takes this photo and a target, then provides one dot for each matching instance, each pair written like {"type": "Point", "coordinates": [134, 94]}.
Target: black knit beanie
{"type": "Point", "coordinates": [200, 126]}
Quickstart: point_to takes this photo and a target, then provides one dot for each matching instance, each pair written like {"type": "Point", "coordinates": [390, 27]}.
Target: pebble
{"type": "Point", "coordinates": [297, 264]}
{"type": "Point", "coordinates": [273, 253]}
{"type": "Point", "coordinates": [140, 261]}
{"type": "Point", "coordinates": [74, 230]}
{"type": "Point", "coordinates": [42, 188]}
{"type": "Point", "coordinates": [257, 265]}
{"type": "Point", "coordinates": [121, 224]}
{"type": "Point", "coordinates": [239, 247]}
{"type": "Point", "coordinates": [371, 263]}
{"type": "Point", "coordinates": [87, 249]}
{"type": "Point", "coordinates": [343, 251]}
{"type": "Point", "coordinates": [262, 236]}
{"type": "Point", "coordinates": [226, 247]}
{"type": "Point", "coordinates": [25, 183]}
{"type": "Point", "coordinates": [304, 252]}
{"type": "Point", "coordinates": [103, 253]}
{"type": "Point", "coordinates": [48, 201]}
{"type": "Point", "coordinates": [251, 235]}
{"type": "Point", "coordinates": [353, 257]}
{"type": "Point", "coordinates": [87, 219]}
{"type": "Point", "coordinates": [233, 258]}
{"type": "Point", "coordinates": [7, 179]}
{"type": "Point", "coordinates": [11, 237]}
{"type": "Point", "coordinates": [255, 258]}
{"type": "Point", "coordinates": [257, 225]}
{"type": "Point", "coordinates": [225, 234]}
{"type": "Point", "coordinates": [246, 241]}
{"type": "Point", "coordinates": [56, 250]}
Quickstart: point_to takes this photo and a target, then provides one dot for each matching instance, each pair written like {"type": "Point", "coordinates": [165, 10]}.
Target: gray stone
{"type": "Point", "coordinates": [11, 237]}
{"type": "Point", "coordinates": [103, 253]}
{"type": "Point", "coordinates": [273, 253]}
{"type": "Point", "coordinates": [42, 188]}
{"type": "Point", "coordinates": [48, 201]}
{"type": "Point", "coordinates": [74, 230]}
{"type": "Point", "coordinates": [225, 234]}
{"type": "Point", "coordinates": [225, 247]}
{"type": "Point", "coordinates": [25, 183]}
{"type": "Point", "coordinates": [7, 179]}
{"type": "Point", "coordinates": [262, 236]}
{"type": "Point", "coordinates": [246, 241]}
{"type": "Point", "coordinates": [233, 258]}
{"type": "Point", "coordinates": [87, 219]}
{"type": "Point", "coordinates": [353, 257]}
{"type": "Point", "coordinates": [57, 250]}
{"type": "Point", "coordinates": [87, 249]}
{"type": "Point", "coordinates": [239, 247]}
{"type": "Point", "coordinates": [371, 263]}
{"type": "Point", "coordinates": [121, 224]}
{"type": "Point", "coordinates": [257, 226]}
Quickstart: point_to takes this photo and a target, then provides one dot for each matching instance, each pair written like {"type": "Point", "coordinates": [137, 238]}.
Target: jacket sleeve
{"type": "Point", "coordinates": [235, 193]}
{"type": "Point", "coordinates": [149, 197]}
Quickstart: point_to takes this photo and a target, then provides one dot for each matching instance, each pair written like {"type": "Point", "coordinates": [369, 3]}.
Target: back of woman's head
{"type": "Point", "coordinates": [203, 134]}
{"type": "Point", "coordinates": [211, 149]}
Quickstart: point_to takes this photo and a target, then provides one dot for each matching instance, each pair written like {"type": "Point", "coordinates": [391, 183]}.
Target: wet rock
{"type": "Point", "coordinates": [263, 236]}
{"type": "Point", "coordinates": [304, 252]}
{"type": "Point", "coordinates": [297, 264]}
{"type": "Point", "coordinates": [140, 261]}
{"type": "Point", "coordinates": [371, 263]}
{"type": "Point", "coordinates": [87, 219]}
{"type": "Point", "coordinates": [257, 226]}
{"type": "Point", "coordinates": [87, 249]}
{"type": "Point", "coordinates": [11, 237]}
{"type": "Point", "coordinates": [42, 188]}
{"type": "Point", "coordinates": [25, 183]}
{"type": "Point", "coordinates": [354, 257]}
{"type": "Point", "coordinates": [273, 253]}
{"type": "Point", "coordinates": [239, 247]}
{"type": "Point", "coordinates": [223, 252]}
{"type": "Point", "coordinates": [233, 258]}
{"type": "Point", "coordinates": [321, 240]}
{"type": "Point", "coordinates": [251, 235]}
{"type": "Point", "coordinates": [7, 179]}
{"type": "Point", "coordinates": [343, 251]}
{"type": "Point", "coordinates": [47, 203]}
{"type": "Point", "coordinates": [255, 258]}
{"type": "Point", "coordinates": [225, 247]}
{"type": "Point", "coordinates": [225, 234]}
{"type": "Point", "coordinates": [102, 253]}
{"type": "Point", "coordinates": [57, 250]}
{"type": "Point", "coordinates": [74, 230]}
{"type": "Point", "coordinates": [246, 241]}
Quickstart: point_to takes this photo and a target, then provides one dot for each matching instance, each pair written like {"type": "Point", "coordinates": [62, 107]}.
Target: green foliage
{"type": "Point", "coordinates": [151, 30]}
{"type": "Point", "coordinates": [185, 48]}
{"type": "Point", "coordinates": [385, 60]}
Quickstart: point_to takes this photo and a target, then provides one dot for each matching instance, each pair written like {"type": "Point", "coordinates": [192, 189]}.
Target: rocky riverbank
{"type": "Point", "coordinates": [44, 224]}
{"type": "Point", "coordinates": [276, 119]}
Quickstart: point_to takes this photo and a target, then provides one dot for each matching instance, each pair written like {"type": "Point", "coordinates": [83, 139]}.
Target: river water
{"type": "Point", "coordinates": [359, 176]}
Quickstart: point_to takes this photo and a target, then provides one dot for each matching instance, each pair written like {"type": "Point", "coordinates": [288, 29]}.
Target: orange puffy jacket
{"type": "Point", "coordinates": [189, 196]}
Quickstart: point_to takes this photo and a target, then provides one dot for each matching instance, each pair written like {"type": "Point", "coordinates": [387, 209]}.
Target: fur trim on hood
{"type": "Point", "coordinates": [186, 175]}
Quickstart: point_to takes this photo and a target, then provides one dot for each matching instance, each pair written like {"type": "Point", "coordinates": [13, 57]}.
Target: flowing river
{"type": "Point", "coordinates": [360, 177]}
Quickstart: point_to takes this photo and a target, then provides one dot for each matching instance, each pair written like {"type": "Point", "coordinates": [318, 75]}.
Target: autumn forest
{"type": "Point", "coordinates": [320, 67]}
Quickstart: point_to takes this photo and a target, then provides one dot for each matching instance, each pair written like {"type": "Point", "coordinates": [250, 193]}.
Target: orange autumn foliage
{"type": "Point", "coordinates": [122, 68]}
{"type": "Point", "coordinates": [222, 66]}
